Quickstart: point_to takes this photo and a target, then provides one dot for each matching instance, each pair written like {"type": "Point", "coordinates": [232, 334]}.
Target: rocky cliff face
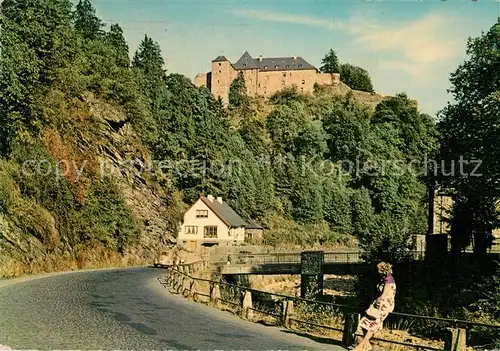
{"type": "Point", "coordinates": [111, 150]}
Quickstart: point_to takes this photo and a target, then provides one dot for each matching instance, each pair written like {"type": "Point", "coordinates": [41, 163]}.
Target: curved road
{"type": "Point", "coordinates": [124, 309]}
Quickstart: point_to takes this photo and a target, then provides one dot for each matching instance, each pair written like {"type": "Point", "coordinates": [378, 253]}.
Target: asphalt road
{"type": "Point", "coordinates": [125, 309]}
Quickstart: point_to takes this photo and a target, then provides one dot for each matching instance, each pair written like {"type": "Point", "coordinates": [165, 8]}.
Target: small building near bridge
{"type": "Point", "coordinates": [211, 221]}
{"type": "Point", "coordinates": [253, 232]}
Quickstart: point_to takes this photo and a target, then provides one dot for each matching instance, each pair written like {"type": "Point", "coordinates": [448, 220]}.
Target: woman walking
{"type": "Point", "coordinates": [373, 318]}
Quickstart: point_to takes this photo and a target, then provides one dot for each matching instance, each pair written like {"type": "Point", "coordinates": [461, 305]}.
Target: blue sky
{"type": "Point", "coordinates": [407, 46]}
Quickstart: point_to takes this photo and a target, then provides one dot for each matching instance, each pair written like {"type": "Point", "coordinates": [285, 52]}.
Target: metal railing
{"type": "Point", "coordinates": [295, 257]}
{"type": "Point", "coordinates": [273, 306]}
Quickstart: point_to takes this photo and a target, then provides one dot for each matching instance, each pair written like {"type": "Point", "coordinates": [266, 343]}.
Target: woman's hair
{"type": "Point", "coordinates": [384, 268]}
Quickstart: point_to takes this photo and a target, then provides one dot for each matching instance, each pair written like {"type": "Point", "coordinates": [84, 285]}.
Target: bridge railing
{"type": "Point", "coordinates": [295, 257]}
{"type": "Point", "coordinates": [311, 315]}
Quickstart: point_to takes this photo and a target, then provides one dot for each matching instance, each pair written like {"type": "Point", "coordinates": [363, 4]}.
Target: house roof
{"type": "Point", "coordinates": [224, 212]}
{"type": "Point", "coordinates": [220, 58]}
{"type": "Point", "coordinates": [253, 225]}
{"type": "Point", "coordinates": [271, 63]}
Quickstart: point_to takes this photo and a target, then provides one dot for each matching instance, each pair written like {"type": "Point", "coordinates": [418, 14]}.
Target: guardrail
{"type": "Point", "coordinates": [287, 310]}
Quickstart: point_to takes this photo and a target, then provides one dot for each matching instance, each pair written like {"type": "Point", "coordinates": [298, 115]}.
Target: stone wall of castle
{"type": "Point", "coordinates": [262, 83]}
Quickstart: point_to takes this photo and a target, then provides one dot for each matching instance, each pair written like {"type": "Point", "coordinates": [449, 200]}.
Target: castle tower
{"type": "Point", "coordinates": [223, 74]}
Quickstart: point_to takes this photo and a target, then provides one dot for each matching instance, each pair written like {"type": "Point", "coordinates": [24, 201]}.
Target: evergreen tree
{"type": "Point", "coordinates": [330, 63]}
{"type": "Point", "coordinates": [149, 63]}
{"type": "Point", "coordinates": [238, 96]}
{"type": "Point", "coordinates": [116, 39]}
{"type": "Point", "coordinates": [86, 21]}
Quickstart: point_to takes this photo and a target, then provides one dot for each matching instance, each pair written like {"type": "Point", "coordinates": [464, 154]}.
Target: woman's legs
{"type": "Point", "coordinates": [365, 343]}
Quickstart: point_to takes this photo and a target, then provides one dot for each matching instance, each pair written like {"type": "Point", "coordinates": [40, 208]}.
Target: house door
{"type": "Point", "coordinates": [192, 245]}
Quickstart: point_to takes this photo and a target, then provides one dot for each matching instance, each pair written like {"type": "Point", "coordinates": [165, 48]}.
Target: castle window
{"type": "Point", "coordinates": [218, 82]}
{"type": "Point", "coordinates": [284, 74]}
{"type": "Point", "coordinates": [259, 85]}
{"type": "Point", "coordinates": [220, 71]}
{"type": "Point", "coordinates": [219, 63]}
{"type": "Point", "coordinates": [303, 81]}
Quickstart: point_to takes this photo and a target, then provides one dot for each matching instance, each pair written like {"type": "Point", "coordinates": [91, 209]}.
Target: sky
{"type": "Point", "coordinates": [406, 46]}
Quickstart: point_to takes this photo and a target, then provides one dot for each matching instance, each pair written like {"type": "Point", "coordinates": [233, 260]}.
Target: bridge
{"type": "Point", "coordinates": [290, 263]}
{"type": "Point", "coordinates": [311, 265]}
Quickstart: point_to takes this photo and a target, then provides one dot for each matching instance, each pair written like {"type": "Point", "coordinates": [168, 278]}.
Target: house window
{"type": "Point", "coordinates": [219, 63]}
{"type": "Point", "coordinates": [259, 85]}
{"type": "Point", "coordinates": [220, 71]}
{"type": "Point", "coordinates": [210, 232]}
{"type": "Point", "coordinates": [276, 66]}
{"type": "Point", "coordinates": [303, 82]}
{"type": "Point", "coordinates": [201, 213]}
{"type": "Point", "coordinates": [287, 66]}
{"type": "Point", "coordinates": [284, 74]}
{"type": "Point", "coordinates": [218, 82]}
{"type": "Point", "coordinates": [265, 67]}
{"type": "Point", "coordinates": [191, 229]}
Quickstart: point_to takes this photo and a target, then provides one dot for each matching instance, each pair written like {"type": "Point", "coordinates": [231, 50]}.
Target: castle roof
{"type": "Point", "coordinates": [220, 58]}
{"type": "Point", "coordinates": [271, 63]}
{"type": "Point", "coordinates": [246, 62]}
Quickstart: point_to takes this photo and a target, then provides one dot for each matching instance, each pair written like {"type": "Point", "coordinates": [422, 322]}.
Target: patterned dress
{"type": "Point", "coordinates": [383, 305]}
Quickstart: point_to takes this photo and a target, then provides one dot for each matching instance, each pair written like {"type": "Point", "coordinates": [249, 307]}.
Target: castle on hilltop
{"type": "Point", "coordinates": [263, 75]}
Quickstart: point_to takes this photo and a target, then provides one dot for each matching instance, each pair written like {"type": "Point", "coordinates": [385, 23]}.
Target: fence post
{"type": "Point", "coordinates": [185, 286]}
{"type": "Point", "coordinates": [246, 305]}
{"type": "Point", "coordinates": [178, 282]}
{"type": "Point", "coordinates": [351, 321]}
{"type": "Point", "coordinates": [455, 339]}
{"type": "Point", "coordinates": [192, 289]}
{"type": "Point", "coordinates": [287, 312]}
{"type": "Point", "coordinates": [215, 294]}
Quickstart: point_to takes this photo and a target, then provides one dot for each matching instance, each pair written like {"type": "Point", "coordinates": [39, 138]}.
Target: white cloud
{"type": "Point", "coordinates": [425, 40]}
{"type": "Point", "coordinates": [290, 18]}
{"type": "Point", "coordinates": [415, 46]}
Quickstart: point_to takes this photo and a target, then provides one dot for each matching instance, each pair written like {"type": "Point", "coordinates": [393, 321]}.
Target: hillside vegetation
{"type": "Point", "coordinates": [100, 154]}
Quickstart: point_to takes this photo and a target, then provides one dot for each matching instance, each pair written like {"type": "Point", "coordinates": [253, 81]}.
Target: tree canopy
{"type": "Point", "coordinates": [470, 146]}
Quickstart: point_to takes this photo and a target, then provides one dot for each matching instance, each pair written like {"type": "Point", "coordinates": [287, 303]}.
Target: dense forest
{"type": "Point", "coordinates": [312, 168]}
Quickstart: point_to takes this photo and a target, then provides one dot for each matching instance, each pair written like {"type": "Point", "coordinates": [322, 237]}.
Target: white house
{"type": "Point", "coordinates": [211, 221]}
